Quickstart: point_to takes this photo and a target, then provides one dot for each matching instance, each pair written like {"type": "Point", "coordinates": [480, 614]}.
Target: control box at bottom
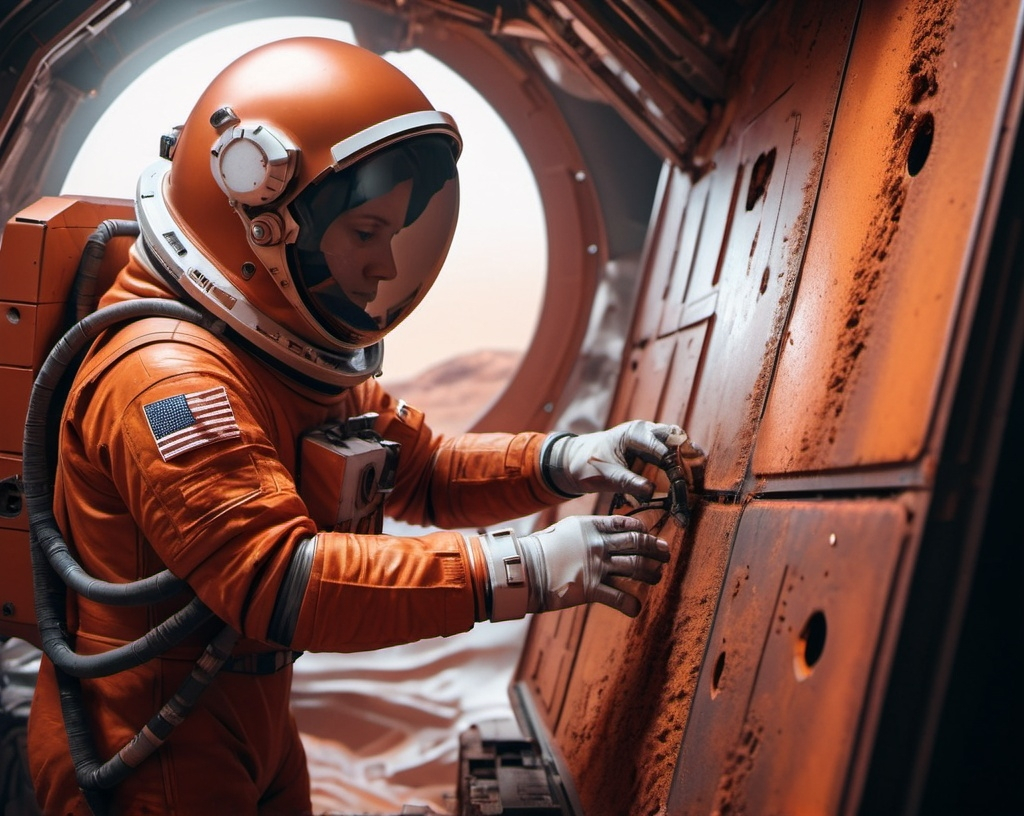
{"type": "Point", "coordinates": [502, 773]}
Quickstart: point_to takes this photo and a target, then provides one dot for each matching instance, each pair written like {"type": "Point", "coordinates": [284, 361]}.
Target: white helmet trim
{"type": "Point", "coordinates": [202, 281]}
{"type": "Point", "coordinates": [349, 151]}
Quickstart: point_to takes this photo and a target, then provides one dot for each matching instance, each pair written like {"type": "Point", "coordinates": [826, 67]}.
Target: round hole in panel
{"type": "Point", "coordinates": [760, 175]}
{"type": "Point", "coordinates": [810, 645]}
{"type": "Point", "coordinates": [920, 143]}
{"type": "Point", "coordinates": [716, 675]}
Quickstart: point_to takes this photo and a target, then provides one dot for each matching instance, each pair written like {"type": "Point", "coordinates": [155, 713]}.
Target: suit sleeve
{"type": "Point", "coordinates": [469, 480]}
{"type": "Point", "coordinates": [222, 512]}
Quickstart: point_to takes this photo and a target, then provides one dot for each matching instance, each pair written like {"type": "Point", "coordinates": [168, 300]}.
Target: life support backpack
{"type": "Point", "coordinates": [57, 257]}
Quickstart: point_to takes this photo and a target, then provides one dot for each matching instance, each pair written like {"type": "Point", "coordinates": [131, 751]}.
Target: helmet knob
{"type": "Point", "coordinates": [266, 229]}
{"type": "Point", "coordinates": [252, 164]}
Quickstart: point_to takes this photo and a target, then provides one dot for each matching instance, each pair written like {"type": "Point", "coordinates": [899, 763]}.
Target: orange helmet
{"type": "Point", "coordinates": [308, 201]}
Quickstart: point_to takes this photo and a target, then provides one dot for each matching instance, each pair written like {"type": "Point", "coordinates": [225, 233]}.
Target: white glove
{"type": "Point", "coordinates": [600, 462]}
{"type": "Point", "coordinates": [569, 564]}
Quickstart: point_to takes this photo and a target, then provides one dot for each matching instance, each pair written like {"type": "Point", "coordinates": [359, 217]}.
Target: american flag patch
{"type": "Point", "coordinates": [187, 421]}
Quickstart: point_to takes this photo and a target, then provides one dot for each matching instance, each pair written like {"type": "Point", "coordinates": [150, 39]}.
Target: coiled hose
{"type": "Point", "coordinates": [51, 558]}
{"type": "Point", "coordinates": [54, 568]}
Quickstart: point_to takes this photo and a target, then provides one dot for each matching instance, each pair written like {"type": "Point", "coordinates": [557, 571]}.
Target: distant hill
{"type": "Point", "coordinates": [455, 392]}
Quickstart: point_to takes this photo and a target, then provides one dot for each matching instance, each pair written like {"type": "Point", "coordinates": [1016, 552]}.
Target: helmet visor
{"type": "Point", "coordinates": [373, 237]}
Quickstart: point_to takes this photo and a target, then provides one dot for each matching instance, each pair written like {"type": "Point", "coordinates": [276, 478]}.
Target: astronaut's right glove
{"type": "Point", "coordinates": [602, 461]}
{"type": "Point", "coordinates": [570, 563]}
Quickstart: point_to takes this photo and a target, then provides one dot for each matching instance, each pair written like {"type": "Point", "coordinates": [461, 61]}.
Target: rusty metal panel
{"type": "Point", "coordinates": [894, 231]}
{"type": "Point", "coordinates": [722, 187]}
{"type": "Point", "coordinates": [631, 686]}
{"type": "Point", "coordinates": [684, 376]}
{"type": "Point", "coordinates": [691, 230]}
{"type": "Point", "coordinates": [742, 240]}
{"type": "Point", "coordinates": [779, 701]}
{"type": "Point", "coordinates": [661, 249]}
{"type": "Point", "coordinates": [548, 656]}
{"type": "Point", "coordinates": [662, 376]}
{"type": "Point", "coordinates": [720, 271]}
{"type": "Point", "coordinates": [751, 295]}
{"type": "Point", "coordinates": [794, 334]}
{"type": "Point", "coordinates": [652, 371]}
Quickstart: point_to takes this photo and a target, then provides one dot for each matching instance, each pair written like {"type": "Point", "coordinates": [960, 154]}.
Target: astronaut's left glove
{"type": "Point", "coordinates": [575, 561]}
{"type": "Point", "coordinates": [600, 462]}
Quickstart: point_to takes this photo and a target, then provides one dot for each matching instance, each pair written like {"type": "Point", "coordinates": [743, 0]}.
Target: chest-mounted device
{"type": "Point", "coordinates": [346, 471]}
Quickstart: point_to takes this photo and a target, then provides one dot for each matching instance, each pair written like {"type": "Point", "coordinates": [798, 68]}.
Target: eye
{"type": "Point", "coordinates": [364, 235]}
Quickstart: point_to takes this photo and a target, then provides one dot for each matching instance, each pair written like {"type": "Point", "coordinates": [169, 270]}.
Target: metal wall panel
{"type": "Point", "coordinates": [895, 228]}
{"type": "Point", "coordinates": [549, 654]}
{"type": "Point", "coordinates": [734, 256]}
{"type": "Point", "coordinates": [633, 680]}
{"type": "Point", "coordinates": [719, 272]}
{"type": "Point", "coordinates": [660, 257]}
{"type": "Point", "coordinates": [804, 316]}
{"type": "Point", "coordinates": [779, 700]}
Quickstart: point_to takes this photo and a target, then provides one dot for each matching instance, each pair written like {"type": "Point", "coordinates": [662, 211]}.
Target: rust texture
{"type": "Point", "coordinates": [772, 724]}
{"type": "Point", "coordinates": [739, 762]}
{"type": "Point", "coordinates": [798, 308]}
{"type": "Point", "coordinates": [632, 687]}
{"type": "Point", "coordinates": [624, 724]}
{"type": "Point", "coordinates": [867, 282]}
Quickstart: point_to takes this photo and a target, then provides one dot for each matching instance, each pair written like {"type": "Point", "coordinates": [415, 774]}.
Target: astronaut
{"type": "Point", "coordinates": [307, 205]}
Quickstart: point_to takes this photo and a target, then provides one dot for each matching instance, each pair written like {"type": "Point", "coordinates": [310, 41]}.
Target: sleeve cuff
{"type": "Point", "coordinates": [548, 467]}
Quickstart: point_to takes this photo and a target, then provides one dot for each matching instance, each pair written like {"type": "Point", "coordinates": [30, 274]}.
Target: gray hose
{"type": "Point", "coordinates": [54, 568]}
{"type": "Point", "coordinates": [94, 776]}
{"type": "Point", "coordinates": [84, 296]}
{"type": "Point", "coordinates": [53, 565]}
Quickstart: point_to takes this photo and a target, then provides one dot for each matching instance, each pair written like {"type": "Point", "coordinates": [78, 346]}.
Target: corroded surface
{"type": "Point", "coordinates": [634, 680]}
{"type": "Point", "coordinates": [799, 318]}
{"type": "Point", "coordinates": [893, 236]}
{"type": "Point", "coordinates": [778, 705]}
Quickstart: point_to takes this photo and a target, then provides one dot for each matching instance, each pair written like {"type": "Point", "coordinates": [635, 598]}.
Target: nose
{"type": "Point", "coordinates": [382, 266]}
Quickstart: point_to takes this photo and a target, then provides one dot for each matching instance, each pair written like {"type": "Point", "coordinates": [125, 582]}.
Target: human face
{"type": "Point", "coordinates": [357, 244]}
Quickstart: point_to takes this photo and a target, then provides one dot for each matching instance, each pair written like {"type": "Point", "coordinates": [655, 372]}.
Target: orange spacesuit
{"type": "Point", "coordinates": [229, 520]}
{"type": "Point", "coordinates": [308, 218]}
